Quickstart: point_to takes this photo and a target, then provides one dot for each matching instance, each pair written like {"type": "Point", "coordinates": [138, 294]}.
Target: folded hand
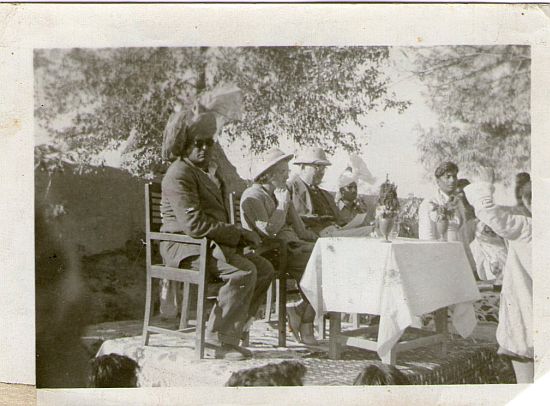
{"type": "Point", "coordinates": [282, 195]}
{"type": "Point", "coordinates": [252, 238]}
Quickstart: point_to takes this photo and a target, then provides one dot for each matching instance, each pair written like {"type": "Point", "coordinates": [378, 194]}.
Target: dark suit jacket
{"type": "Point", "coordinates": [301, 198]}
{"type": "Point", "coordinates": [194, 205]}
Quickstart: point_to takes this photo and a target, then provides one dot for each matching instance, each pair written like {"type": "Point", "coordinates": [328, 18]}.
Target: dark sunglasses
{"type": "Point", "coordinates": [204, 143]}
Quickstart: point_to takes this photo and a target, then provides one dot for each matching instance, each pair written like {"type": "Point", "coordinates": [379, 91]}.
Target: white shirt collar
{"type": "Point", "coordinates": [442, 196]}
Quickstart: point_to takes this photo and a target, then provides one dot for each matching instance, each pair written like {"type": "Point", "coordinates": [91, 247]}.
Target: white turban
{"type": "Point", "coordinates": [356, 171]}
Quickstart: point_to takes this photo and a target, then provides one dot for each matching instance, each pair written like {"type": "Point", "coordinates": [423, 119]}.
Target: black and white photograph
{"type": "Point", "coordinates": [203, 200]}
{"type": "Point", "coordinates": [286, 215]}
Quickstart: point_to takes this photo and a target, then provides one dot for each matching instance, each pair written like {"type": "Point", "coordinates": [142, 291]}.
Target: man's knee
{"type": "Point", "coordinates": [247, 270]}
{"type": "Point", "coordinates": [265, 269]}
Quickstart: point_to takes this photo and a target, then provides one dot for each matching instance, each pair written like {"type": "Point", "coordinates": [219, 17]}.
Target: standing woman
{"type": "Point", "coordinates": [267, 209]}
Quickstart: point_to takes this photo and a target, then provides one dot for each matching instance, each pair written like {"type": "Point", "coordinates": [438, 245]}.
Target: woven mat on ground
{"type": "Point", "coordinates": [465, 363]}
{"type": "Point", "coordinates": [169, 362]}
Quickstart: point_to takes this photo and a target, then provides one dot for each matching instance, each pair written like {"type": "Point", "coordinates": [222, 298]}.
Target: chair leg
{"type": "Point", "coordinates": [185, 308]}
{"type": "Point", "coordinates": [355, 320]}
{"type": "Point", "coordinates": [246, 339]}
{"type": "Point", "coordinates": [201, 319]}
{"type": "Point", "coordinates": [148, 311]}
{"type": "Point", "coordinates": [278, 296]}
{"type": "Point", "coordinates": [281, 324]}
{"type": "Point", "coordinates": [269, 303]}
{"type": "Point", "coordinates": [325, 318]}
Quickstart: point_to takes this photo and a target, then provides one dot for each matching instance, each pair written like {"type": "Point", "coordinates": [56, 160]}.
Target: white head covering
{"type": "Point", "coordinates": [312, 156]}
{"type": "Point", "coordinates": [356, 171]}
{"type": "Point", "coordinates": [271, 158]}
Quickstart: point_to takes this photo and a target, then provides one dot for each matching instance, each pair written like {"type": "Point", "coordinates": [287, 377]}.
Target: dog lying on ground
{"type": "Point", "coordinates": [286, 373]}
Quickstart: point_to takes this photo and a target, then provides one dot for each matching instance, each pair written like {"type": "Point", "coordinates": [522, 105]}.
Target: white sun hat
{"type": "Point", "coordinates": [270, 159]}
{"type": "Point", "coordinates": [313, 156]}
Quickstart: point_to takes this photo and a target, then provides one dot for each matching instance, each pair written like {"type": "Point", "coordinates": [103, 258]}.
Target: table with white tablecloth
{"type": "Point", "coordinates": [399, 281]}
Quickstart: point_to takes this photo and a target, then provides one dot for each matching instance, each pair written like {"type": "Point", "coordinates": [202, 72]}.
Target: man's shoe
{"type": "Point", "coordinates": [306, 334]}
{"type": "Point", "coordinates": [245, 339]}
{"type": "Point", "coordinates": [229, 353]}
{"type": "Point", "coordinates": [294, 321]}
{"type": "Point", "coordinates": [242, 350]}
{"type": "Point", "coordinates": [245, 336]}
{"type": "Point", "coordinates": [226, 351]}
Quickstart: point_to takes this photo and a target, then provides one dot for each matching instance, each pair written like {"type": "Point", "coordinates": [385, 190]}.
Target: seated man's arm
{"type": "Point", "coordinates": [338, 219]}
{"type": "Point", "coordinates": [183, 195]}
{"type": "Point", "coordinates": [255, 217]}
{"type": "Point", "coordinates": [298, 225]}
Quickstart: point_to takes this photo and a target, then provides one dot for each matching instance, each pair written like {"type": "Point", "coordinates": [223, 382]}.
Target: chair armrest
{"type": "Point", "coordinates": [182, 238]}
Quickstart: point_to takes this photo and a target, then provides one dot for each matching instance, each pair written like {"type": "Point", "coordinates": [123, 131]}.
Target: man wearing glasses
{"type": "Point", "coordinates": [193, 203]}
{"type": "Point", "coordinates": [315, 206]}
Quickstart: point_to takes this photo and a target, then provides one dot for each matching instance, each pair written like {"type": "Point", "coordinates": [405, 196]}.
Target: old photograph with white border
{"type": "Point", "coordinates": [342, 202]}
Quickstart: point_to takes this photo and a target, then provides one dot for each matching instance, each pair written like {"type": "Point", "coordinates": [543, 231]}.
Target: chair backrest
{"type": "Point", "coordinates": [153, 235]}
{"type": "Point", "coordinates": [153, 218]}
{"type": "Point", "coordinates": [234, 208]}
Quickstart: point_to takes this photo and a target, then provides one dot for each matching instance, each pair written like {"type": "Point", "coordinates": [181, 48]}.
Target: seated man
{"type": "Point", "coordinates": [446, 179]}
{"type": "Point", "coordinates": [347, 201]}
{"type": "Point", "coordinates": [193, 203]}
{"type": "Point", "coordinates": [266, 208]}
{"type": "Point", "coordinates": [316, 206]}
{"type": "Point", "coordinates": [447, 195]}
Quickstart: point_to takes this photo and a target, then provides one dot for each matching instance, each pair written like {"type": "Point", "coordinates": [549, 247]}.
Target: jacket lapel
{"type": "Point", "coordinates": [207, 184]}
{"type": "Point", "coordinates": [304, 196]}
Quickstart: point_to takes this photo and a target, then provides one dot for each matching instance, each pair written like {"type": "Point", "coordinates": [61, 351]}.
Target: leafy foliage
{"type": "Point", "coordinates": [482, 96]}
{"type": "Point", "coordinates": [92, 100]}
{"type": "Point", "coordinates": [408, 217]}
{"type": "Point", "coordinates": [444, 211]}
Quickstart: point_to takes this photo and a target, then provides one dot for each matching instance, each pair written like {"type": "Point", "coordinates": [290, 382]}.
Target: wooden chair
{"type": "Point", "coordinates": [153, 222]}
{"type": "Point", "coordinates": [276, 249]}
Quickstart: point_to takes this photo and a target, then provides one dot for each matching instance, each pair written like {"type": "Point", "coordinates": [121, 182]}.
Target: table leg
{"type": "Point", "coordinates": [335, 348]}
{"type": "Point", "coordinates": [390, 357]}
{"type": "Point", "coordinates": [441, 327]}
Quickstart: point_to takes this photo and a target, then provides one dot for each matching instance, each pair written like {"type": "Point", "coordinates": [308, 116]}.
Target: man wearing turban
{"type": "Point", "coordinates": [193, 203]}
{"type": "Point", "coordinates": [346, 198]}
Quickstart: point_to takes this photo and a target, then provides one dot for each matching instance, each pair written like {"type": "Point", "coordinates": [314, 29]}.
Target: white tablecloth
{"type": "Point", "coordinates": [398, 281]}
